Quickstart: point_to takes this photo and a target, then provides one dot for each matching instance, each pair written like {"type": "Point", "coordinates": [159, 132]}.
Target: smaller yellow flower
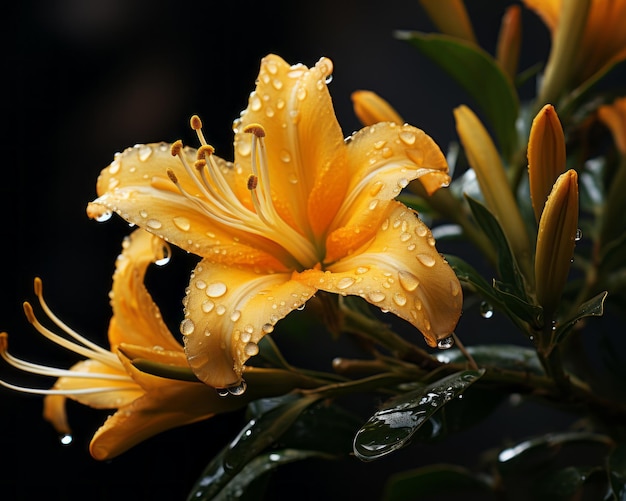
{"type": "Point", "coordinates": [107, 379]}
{"type": "Point", "coordinates": [556, 240]}
{"type": "Point", "coordinates": [546, 156]}
{"type": "Point", "coordinates": [451, 18]}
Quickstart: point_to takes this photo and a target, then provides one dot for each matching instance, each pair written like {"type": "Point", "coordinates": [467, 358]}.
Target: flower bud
{"type": "Point", "coordinates": [509, 40]}
{"type": "Point", "coordinates": [370, 108]}
{"type": "Point", "coordinates": [556, 240]}
{"type": "Point", "coordinates": [546, 156]}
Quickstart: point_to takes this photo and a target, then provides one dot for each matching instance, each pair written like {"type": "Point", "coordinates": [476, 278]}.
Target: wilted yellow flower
{"type": "Point", "coordinates": [546, 156]}
{"type": "Point", "coordinates": [603, 39]}
{"type": "Point", "coordinates": [299, 210]}
{"type": "Point", "coordinates": [556, 240]}
{"type": "Point", "coordinates": [107, 379]}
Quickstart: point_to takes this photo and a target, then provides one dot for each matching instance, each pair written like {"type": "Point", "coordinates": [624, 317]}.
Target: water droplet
{"type": "Point", "coordinates": [251, 349]}
{"type": "Point", "coordinates": [66, 439]}
{"type": "Point", "coordinates": [376, 187]}
{"type": "Point", "coordinates": [328, 79]}
{"type": "Point", "coordinates": [255, 102]}
{"type": "Point", "coordinates": [220, 310]}
{"type": "Point", "coordinates": [154, 224]}
{"type": "Point", "coordinates": [403, 182]}
{"type": "Point", "coordinates": [345, 282]}
{"type": "Point", "coordinates": [216, 289]}
{"type": "Point", "coordinates": [237, 389]}
{"type": "Point", "coordinates": [408, 281]}
{"type": "Point", "coordinates": [426, 259]}
{"type": "Point", "coordinates": [222, 392]}
{"type": "Point", "coordinates": [579, 235]}
{"type": "Point", "coordinates": [145, 152]}
{"type": "Point", "coordinates": [200, 284]}
{"type": "Point", "coordinates": [104, 216]}
{"type": "Point", "coordinates": [361, 270]}
{"type": "Point", "coordinates": [182, 223]}
{"type": "Point", "coordinates": [114, 168]}
{"type": "Point", "coordinates": [399, 299]}
{"type": "Point", "coordinates": [277, 84]}
{"type": "Point", "coordinates": [373, 203]}
{"type": "Point", "coordinates": [187, 327]}
{"type": "Point", "coordinates": [455, 288]}
{"type": "Point", "coordinates": [407, 137]}
{"type": "Point", "coordinates": [267, 328]}
{"type": "Point", "coordinates": [285, 156]}
{"type": "Point", "coordinates": [165, 255]}
{"type": "Point", "coordinates": [445, 343]}
{"type": "Point", "coordinates": [376, 296]}
{"type": "Point", "coordinates": [235, 315]}
{"type": "Point", "coordinates": [301, 93]}
{"type": "Point", "coordinates": [486, 310]}
{"type": "Point", "coordinates": [207, 306]}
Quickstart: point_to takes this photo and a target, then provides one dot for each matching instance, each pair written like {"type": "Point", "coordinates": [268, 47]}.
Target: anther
{"type": "Point", "coordinates": [196, 123]}
{"type": "Point", "coordinates": [30, 314]}
{"type": "Point", "coordinates": [172, 176]}
{"type": "Point", "coordinates": [206, 150]}
{"type": "Point", "coordinates": [176, 148]}
{"type": "Point", "coordinates": [4, 342]}
{"type": "Point", "coordinates": [256, 129]}
{"type": "Point", "coordinates": [199, 164]}
{"type": "Point", "coordinates": [38, 286]}
{"type": "Point", "coordinates": [252, 182]}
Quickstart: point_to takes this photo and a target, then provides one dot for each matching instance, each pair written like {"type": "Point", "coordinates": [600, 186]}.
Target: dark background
{"type": "Point", "coordinates": [86, 78]}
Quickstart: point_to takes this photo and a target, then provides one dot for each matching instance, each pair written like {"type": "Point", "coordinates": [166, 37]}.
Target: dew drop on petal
{"type": "Point", "coordinates": [104, 216]}
{"type": "Point", "coordinates": [426, 259]}
{"type": "Point", "coordinates": [220, 310]}
{"type": "Point", "coordinates": [216, 289]}
{"type": "Point", "coordinates": [207, 306]}
{"type": "Point", "coordinates": [145, 152]}
{"type": "Point", "coordinates": [445, 343]}
{"type": "Point", "coordinates": [579, 235]}
{"type": "Point", "coordinates": [376, 296]}
{"type": "Point", "coordinates": [267, 328]}
{"type": "Point", "coordinates": [399, 299]}
{"type": "Point", "coordinates": [66, 439]}
{"type": "Point", "coordinates": [182, 223]}
{"type": "Point", "coordinates": [237, 389]}
{"type": "Point", "coordinates": [251, 349]}
{"type": "Point", "coordinates": [187, 327]}
{"type": "Point", "coordinates": [222, 392]}
{"type": "Point", "coordinates": [165, 256]}
{"type": "Point", "coordinates": [235, 315]}
{"type": "Point", "coordinates": [154, 224]}
{"type": "Point", "coordinates": [345, 282]}
{"type": "Point", "coordinates": [407, 137]}
{"type": "Point", "coordinates": [408, 281]}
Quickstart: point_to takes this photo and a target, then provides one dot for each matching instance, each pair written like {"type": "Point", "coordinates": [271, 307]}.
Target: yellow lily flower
{"type": "Point", "coordinates": [603, 39]}
{"type": "Point", "coordinates": [299, 210]}
{"type": "Point", "coordinates": [146, 404]}
{"type": "Point", "coordinates": [613, 116]}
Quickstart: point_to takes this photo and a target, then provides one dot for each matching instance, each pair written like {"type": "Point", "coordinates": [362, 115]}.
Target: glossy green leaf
{"type": "Point", "coordinates": [504, 356]}
{"type": "Point", "coordinates": [536, 450]}
{"type": "Point", "coordinates": [591, 308]}
{"type": "Point", "coordinates": [259, 466]}
{"type": "Point", "coordinates": [616, 467]}
{"type": "Point", "coordinates": [481, 77]}
{"type": "Point", "coordinates": [437, 479]}
{"type": "Point", "coordinates": [506, 263]}
{"type": "Point", "coordinates": [393, 426]}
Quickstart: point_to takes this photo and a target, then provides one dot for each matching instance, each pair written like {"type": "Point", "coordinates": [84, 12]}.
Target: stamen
{"type": "Point", "coordinates": [196, 124]}
{"type": "Point", "coordinates": [107, 357]}
{"type": "Point", "coordinates": [253, 181]}
{"type": "Point", "coordinates": [68, 393]}
{"type": "Point", "coordinates": [256, 129]}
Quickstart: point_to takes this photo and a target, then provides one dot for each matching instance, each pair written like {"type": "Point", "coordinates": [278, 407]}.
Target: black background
{"type": "Point", "coordinates": [86, 78]}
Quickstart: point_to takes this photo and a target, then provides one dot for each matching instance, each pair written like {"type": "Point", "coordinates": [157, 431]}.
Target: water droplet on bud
{"type": "Point", "coordinates": [445, 343]}
{"type": "Point", "coordinates": [486, 310]}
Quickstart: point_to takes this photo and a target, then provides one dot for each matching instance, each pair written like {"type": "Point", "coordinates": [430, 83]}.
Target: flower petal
{"type": "Point", "coordinates": [382, 159]}
{"type": "Point", "coordinates": [137, 187]}
{"type": "Point", "coordinates": [167, 405]}
{"type": "Point", "coordinates": [400, 271]}
{"type": "Point", "coordinates": [228, 310]}
{"type": "Point", "coordinates": [136, 319]}
{"type": "Point", "coordinates": [304, 141]}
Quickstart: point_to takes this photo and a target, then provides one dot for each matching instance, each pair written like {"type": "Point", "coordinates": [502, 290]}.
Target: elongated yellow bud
{"type": "Point", "coordinates": [556, 240]}
{"type": "Point", "coordinates": [546, 156]}
{"type": "Point", "coordinates": [510, 40]}
{"type": "Point", "coordinates": [450, 17]}
{"type": "Point", "coordinates": [484, 158]}
{"type": "Point", "coordinates": [370, 108]}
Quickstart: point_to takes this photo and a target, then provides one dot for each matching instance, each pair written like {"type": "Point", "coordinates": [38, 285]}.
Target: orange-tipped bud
{"type": "Point", "coordinates": [510, 40]}
{"type": "Point", "coordinates": [370, 108]}
{"type": "Point", "coordinates": [546, 156]}
{"type": "Point", "coordinates": [556, 240]}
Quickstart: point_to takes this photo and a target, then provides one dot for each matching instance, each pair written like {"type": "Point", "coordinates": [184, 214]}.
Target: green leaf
{"type": "Point", "coordinates": [506, 263]}
{"type": "Point", "coordinates": [616, 466]}
{"type": "Point", "coordinates": [503, 356]}
{"type": "Point", "coordinates": [396, 422]}
{"type": "Point", "coordinates": [260, 466]}
{"type": "Point", "coordinates": [481, 77]}
{"type": "Point", "coordinates": [592, 308]}
{"type": "Point", "coordinates": [564, 484]}
{"type": "Point", "coordinates": [434, 479]}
